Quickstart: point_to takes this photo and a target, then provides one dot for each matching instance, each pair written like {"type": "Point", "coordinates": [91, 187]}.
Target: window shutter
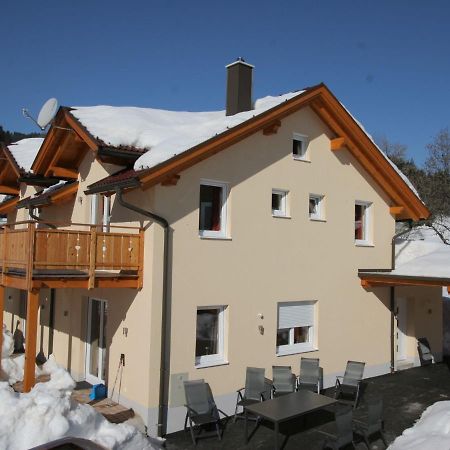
{"type": "Point", "coordinates": [295, 314]}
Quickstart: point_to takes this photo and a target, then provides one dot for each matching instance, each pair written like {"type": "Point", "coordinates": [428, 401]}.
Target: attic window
{"type": "Point", "coordinates": [300, 147]}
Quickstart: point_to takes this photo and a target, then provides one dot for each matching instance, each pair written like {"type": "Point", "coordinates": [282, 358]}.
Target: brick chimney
{"type": "Point", "coordinates": [239, 87]}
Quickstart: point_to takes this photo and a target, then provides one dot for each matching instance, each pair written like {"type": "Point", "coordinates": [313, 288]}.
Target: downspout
{"type": "Point", "coordinates": [37, 219]}
{"type": "Point", "coordinates": [392, 294]}
{"type": "Point", "coordinates": [162, 406]}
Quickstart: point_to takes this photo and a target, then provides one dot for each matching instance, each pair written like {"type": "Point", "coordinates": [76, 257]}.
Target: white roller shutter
{"type": "Point", "coordinates": [295, 314]}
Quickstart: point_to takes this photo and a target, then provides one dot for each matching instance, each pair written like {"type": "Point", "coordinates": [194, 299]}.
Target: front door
{"type": "Point", "coordinates": [96, 342]}
{"type": "Point", "coordinates": [401, 328]}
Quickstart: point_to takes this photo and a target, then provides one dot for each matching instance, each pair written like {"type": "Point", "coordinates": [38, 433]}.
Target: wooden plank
{"type": "Point", "coordinates": [30, 340]}
{"type": "Point", "coordinates": [2, 300]}
{"type": "Point", "coordinates": [9, 190]}
{"type": "Point", "coordinates": [30, 258]}
{"type": "Point", "coordinates": [64, 172]}
{"type": "Point", "coordinates": [396, 210]}
{"type": "Point", "coordinates": [337, 143]}
{"type": "Point", "coordinates": [92, 256]}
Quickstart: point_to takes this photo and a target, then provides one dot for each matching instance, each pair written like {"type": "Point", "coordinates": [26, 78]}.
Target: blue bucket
{"type": "Point", "coordinates": [98, 392]}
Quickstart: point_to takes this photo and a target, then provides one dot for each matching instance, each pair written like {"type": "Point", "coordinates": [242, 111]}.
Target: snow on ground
{"type": "Point", "coordinates": [431, 431]}
{"type": "Point", "coordinates": [25, 151]}
{"type": "Point", "coordinates": [48, 413]}
{"type": "Point", "coordinates": [164, 133]}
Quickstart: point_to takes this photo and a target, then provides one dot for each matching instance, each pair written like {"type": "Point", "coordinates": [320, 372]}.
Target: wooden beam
{"type": "Point", "coordinates": [337, 143]}
{"type": "Point", "coordinates": [30, 259]}
{"type": "Point", "coordinates": [171, 180]}
{"type": "Point", "coordinates": [9, 190]}
{"type": "Point", "coordinates": [272, 128]}
{"type": "Point", "coordinates": [396, 210]}
{"type": "Point", "coordinates": [2, 301]}
{"type": "Point", "coordinates": [30, 340]}
{"type": "Point", "coordinates": [64, 172]}
{"type": "Point", "coordinates": [381, 281]}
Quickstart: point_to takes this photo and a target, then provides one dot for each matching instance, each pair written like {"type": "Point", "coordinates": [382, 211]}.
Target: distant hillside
{"type": "Point", "coordinates": [9, 137]}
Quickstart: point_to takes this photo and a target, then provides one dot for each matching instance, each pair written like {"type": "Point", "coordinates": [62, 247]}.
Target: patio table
{"type": "Point", "coordinates": [287, 407]}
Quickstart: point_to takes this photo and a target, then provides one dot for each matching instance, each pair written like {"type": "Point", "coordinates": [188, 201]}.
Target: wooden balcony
{"type": "Point", "coordinates": [34, 255]}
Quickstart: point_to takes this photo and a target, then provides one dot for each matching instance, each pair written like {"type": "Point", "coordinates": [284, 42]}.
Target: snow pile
{"type": "Point", "coordinates": [431, 431]}
{"type": "Point", "coordinates": [164, 133]}
{"type": "Point", "coordinates": [25, 151]}
{"type": "Point", "coordinates": [47, 413]}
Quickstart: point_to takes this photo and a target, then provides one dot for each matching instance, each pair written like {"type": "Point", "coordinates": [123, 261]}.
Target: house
{"type": "Point", "coordinates": [191, 245]}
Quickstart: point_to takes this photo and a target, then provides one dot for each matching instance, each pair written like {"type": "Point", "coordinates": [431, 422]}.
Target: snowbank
{"type": "Point", "coordinates": [47, 413]}
{"type": "Point", "coordinates": [431, 431]}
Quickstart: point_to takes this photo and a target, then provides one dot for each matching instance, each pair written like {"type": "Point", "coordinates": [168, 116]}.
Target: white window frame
{"type": "Point", "coordinates": [319, 215]}
{"type": "Point", "coordinates": [305, 146]}
{"type": "Point", "coordinates": [217, 358]}
{"type": "Point", "coordinates": [283, 212]}
{"type": "Point", "coordinates": [302, 347]}
{"type": "Point", "coordinates": [222, 233]}
{"type": "Point", "coordinates": [367, 223]}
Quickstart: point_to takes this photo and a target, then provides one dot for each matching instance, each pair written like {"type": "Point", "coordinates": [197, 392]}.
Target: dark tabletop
{"type": "Point", "coordinates": [290, 405]}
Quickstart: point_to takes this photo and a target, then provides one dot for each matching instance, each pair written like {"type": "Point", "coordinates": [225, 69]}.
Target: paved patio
{"type": "Point", "coordinates": [405, 394]}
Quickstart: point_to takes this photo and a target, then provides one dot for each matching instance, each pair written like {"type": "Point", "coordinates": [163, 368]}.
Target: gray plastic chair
{"type": "Point", "coordinates": [201, 408]}
{"type": "Point", "coordinates": [283, 380]}
{"type": "Point", "coordinates": [309, 377]}
{"type": "Point", "coordinates": [344, 431]}
{"type": "Point", "coordinates": [351, 381]}
{"type": "Point", "coordinates": [374, 423]}
{"type": "Point", "coordinates": [253, 391]}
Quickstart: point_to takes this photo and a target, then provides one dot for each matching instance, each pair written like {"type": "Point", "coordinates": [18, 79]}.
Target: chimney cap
{"type": "Point", "coordinates": [240, 60]}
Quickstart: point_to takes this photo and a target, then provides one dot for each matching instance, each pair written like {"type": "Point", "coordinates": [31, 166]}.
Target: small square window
{"type": "Point", "coordinates": [279, 203]}
{"type": "Point", "coordinates": [316, 210]}
{"type": "Point", "coordinates": [362, 213]}
{"type": "Point", "coordinates": [209, 343]}
{"type": "Point", "coordinates": [299, 147]}
{"type": "Point", "coordinates": [212, 210]}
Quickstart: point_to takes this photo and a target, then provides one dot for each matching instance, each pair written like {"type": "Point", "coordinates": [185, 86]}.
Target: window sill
{"type": "Point", "coordinates": [296, 351]}
{"type": "Point", "coordinates": [216, 238]}
{"type": "Point", "coordinates": [363, 244]}
{"type": "Point", "coordinates": [298, 158]}
{"type": "Point", "coordinates": [313, 219]}
{"type": "Point", "coordinates": [211, 364]}
{"type": "Point", "coordinates": [279, 216]}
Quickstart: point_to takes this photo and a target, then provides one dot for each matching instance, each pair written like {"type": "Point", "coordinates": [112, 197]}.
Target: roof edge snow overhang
{"type": "Point", "coordinates": [385, 277]}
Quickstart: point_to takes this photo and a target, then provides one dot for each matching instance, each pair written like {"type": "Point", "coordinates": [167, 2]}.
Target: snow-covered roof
{"type": "Point", "coordinates": [165, 133]}
{"type": "Point", "coordinates": [25, 151]}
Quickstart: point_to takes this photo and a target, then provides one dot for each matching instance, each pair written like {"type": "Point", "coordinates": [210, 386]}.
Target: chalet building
{"type": "Point", "coordinates": [192, 245]}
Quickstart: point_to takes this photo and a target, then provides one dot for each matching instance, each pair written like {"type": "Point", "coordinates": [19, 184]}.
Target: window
{"type": "Point", "coordinates": [209, 344]}
{"type": "Point", "coordinates": [295, 331]}
{"type": "Point", "coordinates": [279, 203]}
{"type": "Point", "coordinates": [212, 210]}
{"type": "Point", "coordinates": [300, 147]}
{"type": "Point", "coordinates": [316, 210]}
{"type": "Point", "coordinates": [362, 213]}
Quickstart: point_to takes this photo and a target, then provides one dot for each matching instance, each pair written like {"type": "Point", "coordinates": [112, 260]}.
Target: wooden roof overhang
{"type": "Point", "coordinates": [9, 172]}
{"type": "Point", "coordinates": [387, 278]}
{"type": "Point", "coordinates": [8, 205]}
{"type": "Point", "coordinates": [55, 197]}
{"type": "Point", "coordinates": [347, 134]}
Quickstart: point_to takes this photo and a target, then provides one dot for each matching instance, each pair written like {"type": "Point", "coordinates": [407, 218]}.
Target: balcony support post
{"type": "Point", "coordinates": [2, 303]}
{"type": "Point", "coordinates": [92, 256]}
{"type": "Point", "coordinates": [5, 245]}
{"type": "Point", "coordinates": [30, 340]}
{"type": "Point", "coordinates": [30, 262]}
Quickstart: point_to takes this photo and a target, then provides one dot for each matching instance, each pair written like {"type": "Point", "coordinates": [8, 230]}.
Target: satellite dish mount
{"type": "Point", "coordinates": [46, 114]}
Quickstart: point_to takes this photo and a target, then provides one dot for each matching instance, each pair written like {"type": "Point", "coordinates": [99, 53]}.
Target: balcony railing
{"type": "Point", "coordinates": [33, 249]}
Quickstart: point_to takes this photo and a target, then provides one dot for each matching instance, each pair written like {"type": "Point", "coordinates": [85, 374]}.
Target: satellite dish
{"type": "Point", "coordinates": [47, 113]}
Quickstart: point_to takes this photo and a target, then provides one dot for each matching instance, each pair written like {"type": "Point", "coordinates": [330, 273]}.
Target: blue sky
{"type": "Point", "coordinates": [387, 61]}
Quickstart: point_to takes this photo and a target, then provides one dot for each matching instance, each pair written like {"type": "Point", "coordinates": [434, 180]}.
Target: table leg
{"type": "Point", "coordinates": [246, 425]}
{"type": "Point", "coordinates": [276, 435]}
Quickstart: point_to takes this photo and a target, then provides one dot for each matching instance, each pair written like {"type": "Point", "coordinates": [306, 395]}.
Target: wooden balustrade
{"type": "Point", "coordinates": [31, 250]}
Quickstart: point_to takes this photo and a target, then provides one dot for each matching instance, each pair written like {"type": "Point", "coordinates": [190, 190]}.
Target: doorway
{"type": "Point", "coordinates": [95, 367]}
{"type": "Point", "coordinates": [401, 315]}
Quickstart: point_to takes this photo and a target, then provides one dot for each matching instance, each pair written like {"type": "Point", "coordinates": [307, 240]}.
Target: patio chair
{"type": "Point", "coordinates": [254, 389]}
{"type": "Point", "coordinates": [344, 432]}
{"type": "Point", "coordinates": [373, 424]}
{"type": "Point", "coordinates": [283, 380]}
{"type": "Point", "coordinates": [201, 408]}
{"type": "Point", "coordinates": [424, 349]}
{"type": "Point", "coordinates": [309, 377]}
{"type": "Point", "coordinates": [351, 381]}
